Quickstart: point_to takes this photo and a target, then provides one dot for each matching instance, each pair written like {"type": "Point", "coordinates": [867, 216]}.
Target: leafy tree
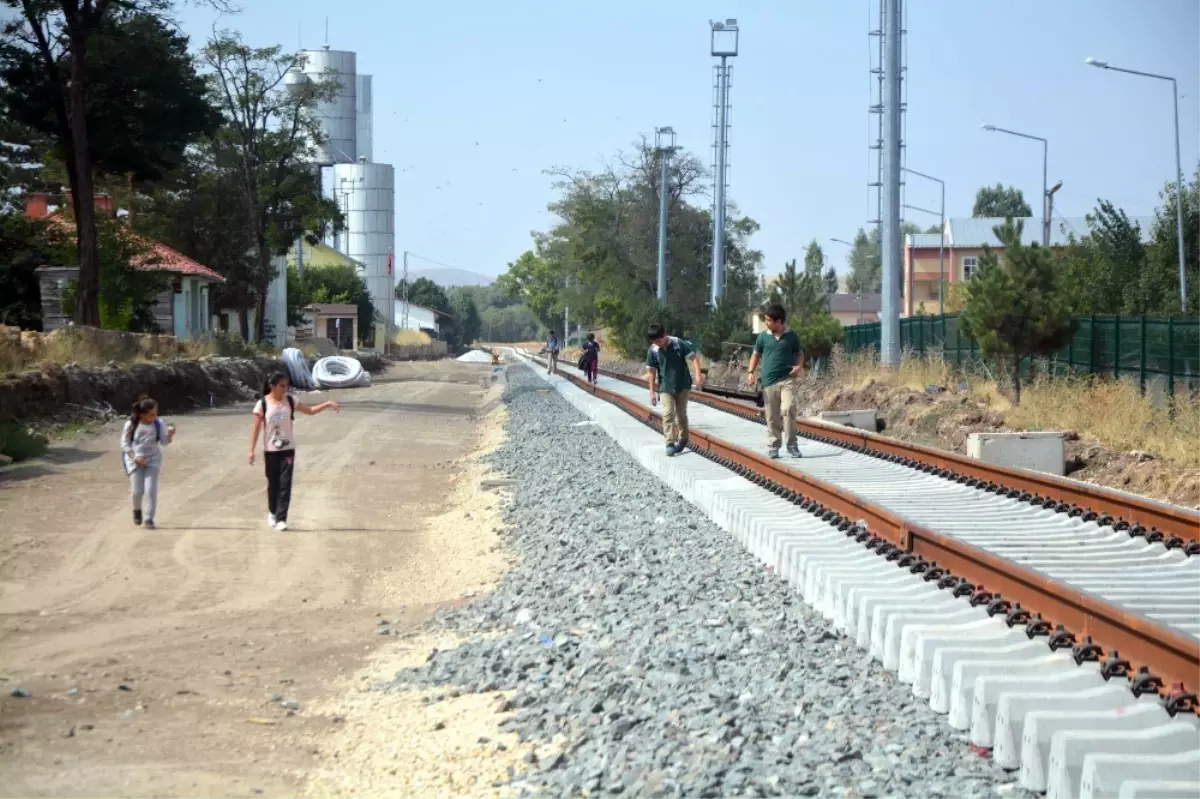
{"type": "Point", "coordinates": [934, 229]}
{"type": "Point", "coordinates": [1000, 201]}
{"type": "Point", "coordinates": [1016, 307]}
{"type": "Point", "coordinates": [26, 244]}
{"type": "Point", "coordinates": [819, 333]}
{"type": "Point", "coordinates": [466, 314]}
{"type": "Point", "coordinates": [112, 85]}
{"type": "Point", "coordinates": [330, 284]}
{"type": "Point", "coordinates": [831, 281]}
{"type": "Point", "coordinates": [600, 258]}
{"type": "Point", "coordinates": [509, 323]}
{"type": "Point", "coordinates": [1160, 284]}
{"type": "Point", "coordinates": [267, 142]}
{"type": "Point", "coordinates": [1105, 268]}
{"type": "Point", "coordinates": [533, 281]}
{"type": "Point", "coordinates": [866, 269]}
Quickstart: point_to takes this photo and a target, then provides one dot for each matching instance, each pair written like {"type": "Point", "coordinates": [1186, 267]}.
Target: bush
{"type": "Point", "coordinates": [724, 326]}
{"type": "Point", "coordinates": [819, 334]}
{"type": "Point", "coordinates": [19, 443]}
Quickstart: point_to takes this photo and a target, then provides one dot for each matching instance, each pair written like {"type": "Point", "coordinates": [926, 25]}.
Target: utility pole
{"type": "Point", "coordinates": [664, 146]}
{"type": "Point", "coordinates": [890, 240]}
{"type": "Point", "coordinates": [724, 45]}
{"type": "Point", "coordinates": [404, 282]}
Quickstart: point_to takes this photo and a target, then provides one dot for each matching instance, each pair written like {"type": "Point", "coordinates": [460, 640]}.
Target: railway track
{"type": "Point", "coordinates": [1057, 623]}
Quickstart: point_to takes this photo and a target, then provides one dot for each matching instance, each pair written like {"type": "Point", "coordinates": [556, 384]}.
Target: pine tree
{"type": "Point", "coordinates": [1016, 307]}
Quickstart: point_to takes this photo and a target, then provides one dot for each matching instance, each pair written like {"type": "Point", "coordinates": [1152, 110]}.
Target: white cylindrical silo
{"type": "Point", "coordinates": [369, 205]}
{"type": "Point", "coordinates": [363, 99]}
{"type": "Point", "coordinates": [339, 116]}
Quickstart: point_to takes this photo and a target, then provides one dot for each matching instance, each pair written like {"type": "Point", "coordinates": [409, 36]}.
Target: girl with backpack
{"type": "Point", "coordinates": [275, 411]}
{"type": "Point", "coordinates": [142, 440]}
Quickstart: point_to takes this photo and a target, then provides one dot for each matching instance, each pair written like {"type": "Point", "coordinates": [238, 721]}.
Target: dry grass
{"type": "Point", "coordinates": [92, 347]}
{"type": "Point", "coordinates": [411, 338]}
{"type": "Point", "coordinates": [1115, 413]}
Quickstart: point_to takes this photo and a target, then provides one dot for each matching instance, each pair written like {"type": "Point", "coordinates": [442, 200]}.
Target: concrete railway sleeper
{"type": "Point", "coordinates": [1074, 692]}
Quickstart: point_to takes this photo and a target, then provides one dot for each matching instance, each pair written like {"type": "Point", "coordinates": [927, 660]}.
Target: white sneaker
{"type": "Point", "coordinates": [270, 520]}
{"type": "Point", "coordinates": [281, 526]}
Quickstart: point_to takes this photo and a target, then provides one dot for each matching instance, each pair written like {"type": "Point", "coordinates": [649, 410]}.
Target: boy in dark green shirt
{"type": "Point", "coordinates": [779, 352]}
{"type": "Point", "coordinates": [667, 371]}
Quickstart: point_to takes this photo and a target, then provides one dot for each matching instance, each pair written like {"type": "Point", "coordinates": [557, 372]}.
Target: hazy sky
{"type": "Point", "coordinates": [474, 99]}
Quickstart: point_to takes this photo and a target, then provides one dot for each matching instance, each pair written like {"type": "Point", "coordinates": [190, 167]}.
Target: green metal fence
{"type": "Point", "coordinates": [1165, 348]}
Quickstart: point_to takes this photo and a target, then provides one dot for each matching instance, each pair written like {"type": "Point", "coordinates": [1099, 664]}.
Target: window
{"type": "Point", "coordinates": [969, 265]}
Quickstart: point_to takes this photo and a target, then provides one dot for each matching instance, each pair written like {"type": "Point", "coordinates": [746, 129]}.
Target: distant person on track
{"type": "Point", "coordinates": [589, 362]}
{"type": "Point", "coordinates": [142, 440]}
{"type": "Point", "coordinates": [276, 411]}
{"type": "Point", "coordinates": [782, 358]}
{"type": "Point", "coordinates": [667, 371]}
{"type": "Point", "coordinates": [552, 348]}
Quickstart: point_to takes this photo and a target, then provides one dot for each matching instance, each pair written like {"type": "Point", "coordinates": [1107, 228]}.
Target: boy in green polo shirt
{"type": "Point", "coordinates": [667, 372]}
{"type": "Point", "coordinates": [782, 359]}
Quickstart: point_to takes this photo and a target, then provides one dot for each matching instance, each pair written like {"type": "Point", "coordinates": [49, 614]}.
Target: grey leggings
{"type": "Point", "coordinates": [143, 484]}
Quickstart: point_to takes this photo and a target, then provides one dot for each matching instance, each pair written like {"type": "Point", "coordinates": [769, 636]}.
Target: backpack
{"type": "Point", "coordinates": [160, 430]}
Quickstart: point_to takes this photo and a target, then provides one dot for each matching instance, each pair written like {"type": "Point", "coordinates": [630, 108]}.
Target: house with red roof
{"type": "Point", "coordinates": [182, 308]}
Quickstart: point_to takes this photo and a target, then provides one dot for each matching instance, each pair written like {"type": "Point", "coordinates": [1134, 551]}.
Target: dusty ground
{"type": "Point", "coordinates": [215, 657]}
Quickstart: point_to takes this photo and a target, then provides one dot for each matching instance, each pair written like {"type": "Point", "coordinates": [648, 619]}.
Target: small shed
{"type": "Point", "coordinates": [336, 321]}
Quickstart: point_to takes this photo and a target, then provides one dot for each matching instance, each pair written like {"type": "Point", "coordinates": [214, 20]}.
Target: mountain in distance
{"type": "Point", "coordinates": [447, 277]}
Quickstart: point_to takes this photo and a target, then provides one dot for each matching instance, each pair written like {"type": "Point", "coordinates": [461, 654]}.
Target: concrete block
{"type": "Point", "coordinates": [1040, 452]}
{"type": "Point", "coordinates": [1155, 789]}
{"type": "Point", "coordinates": [1122, 776]}
{"type": "Point", "coordinates": [1063, 691]}
{"type": "Point", "coordinates": [860, 420]}
{"type": "Point", "coordinates": [1070, 748]}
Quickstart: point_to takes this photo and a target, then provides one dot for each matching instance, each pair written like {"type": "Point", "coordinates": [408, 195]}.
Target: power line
{"type": "Point", "coordinates": [430, 260]}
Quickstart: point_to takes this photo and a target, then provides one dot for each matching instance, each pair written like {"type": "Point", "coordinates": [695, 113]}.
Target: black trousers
{"type": "Point", "coordinates": [280, 466]}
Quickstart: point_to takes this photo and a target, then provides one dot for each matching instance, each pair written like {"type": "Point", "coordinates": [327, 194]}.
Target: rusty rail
{"type": "Point", "coordinates": [1157, 521]}
{"type": "Point", "coordinates": [1153, 658]}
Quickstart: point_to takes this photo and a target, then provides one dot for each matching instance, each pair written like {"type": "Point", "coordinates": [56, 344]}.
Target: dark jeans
{"type": "Point", "coordinates": [280, 466]}
{"type": "Point", "coordinates": [591, 368]}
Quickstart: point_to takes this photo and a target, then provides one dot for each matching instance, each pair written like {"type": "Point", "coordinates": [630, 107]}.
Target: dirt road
{"type": "Point", "coordinates": [188, 661]}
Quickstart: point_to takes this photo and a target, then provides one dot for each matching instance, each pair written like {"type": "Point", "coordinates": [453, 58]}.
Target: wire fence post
{"type": "Point", "coordinates": [1171, 357]}
{"type": "Point", "coordinates": [1117, 346]}
{"type": "Point", "coordinates": [1092, 344]}
{"type": "Point", "coordinates": [1142, 365]}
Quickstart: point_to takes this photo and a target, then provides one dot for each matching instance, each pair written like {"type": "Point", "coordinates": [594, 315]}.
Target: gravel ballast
{"type": "Point", "coordinates": [663, 656]}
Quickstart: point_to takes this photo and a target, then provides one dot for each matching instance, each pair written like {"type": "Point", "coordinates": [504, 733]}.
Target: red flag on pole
{"type": "Point", "coordinates": [389, 263]}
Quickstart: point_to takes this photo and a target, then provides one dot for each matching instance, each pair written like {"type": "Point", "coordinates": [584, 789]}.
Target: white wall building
{"type": "Point", "coordinates": [419, 317]}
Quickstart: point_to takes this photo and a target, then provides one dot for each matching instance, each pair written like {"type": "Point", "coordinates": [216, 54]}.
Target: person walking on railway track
{"type": "Point", "coordinates": [669, 376]}
{"type": "Point", "coordinates": [781, 357]}
{"type": "Point", "coordinates": [589, 362]}
{"type": "Point", "coordinates": [276, 411]}
{"type": "Point", "coordinates": [142, 440]}
{"type": "Point", "coordinates": [552, 348]}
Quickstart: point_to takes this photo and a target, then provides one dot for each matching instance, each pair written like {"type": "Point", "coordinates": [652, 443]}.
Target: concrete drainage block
{"type": "Point", "coordinates": [859, 420]}
{"type": "Point", "coordinates": [1040, 452]}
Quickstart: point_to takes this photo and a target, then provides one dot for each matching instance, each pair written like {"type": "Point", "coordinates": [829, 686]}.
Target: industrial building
{"type": "Point", "coordinates": [364, 190]}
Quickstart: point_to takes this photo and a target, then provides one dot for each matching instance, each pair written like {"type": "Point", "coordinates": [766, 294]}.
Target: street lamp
{"type": "Point", "coordinates": [1045, 165]}
{"type": "Point", "coordinates": [1178, 168]}
{"type": "Point", "coordinates": [941, 243]}
{"type": "Point", "coordinates": [664, 146]}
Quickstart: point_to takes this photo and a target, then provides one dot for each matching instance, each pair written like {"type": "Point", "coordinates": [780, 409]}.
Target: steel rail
{"type": "Point", "coordinates": [1154, 659]}
{"type": "Point", "coordinates": [1175, 526]}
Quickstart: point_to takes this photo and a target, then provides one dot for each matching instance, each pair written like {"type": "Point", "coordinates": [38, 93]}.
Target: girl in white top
{"type": "Point", "coordinates": [275, 412]}
{"type": "Point", "coordinates": [142, 440]}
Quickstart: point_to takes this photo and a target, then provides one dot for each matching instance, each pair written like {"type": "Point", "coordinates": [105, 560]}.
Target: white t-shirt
{"type": "Point", "coordinates": [277, 423]}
